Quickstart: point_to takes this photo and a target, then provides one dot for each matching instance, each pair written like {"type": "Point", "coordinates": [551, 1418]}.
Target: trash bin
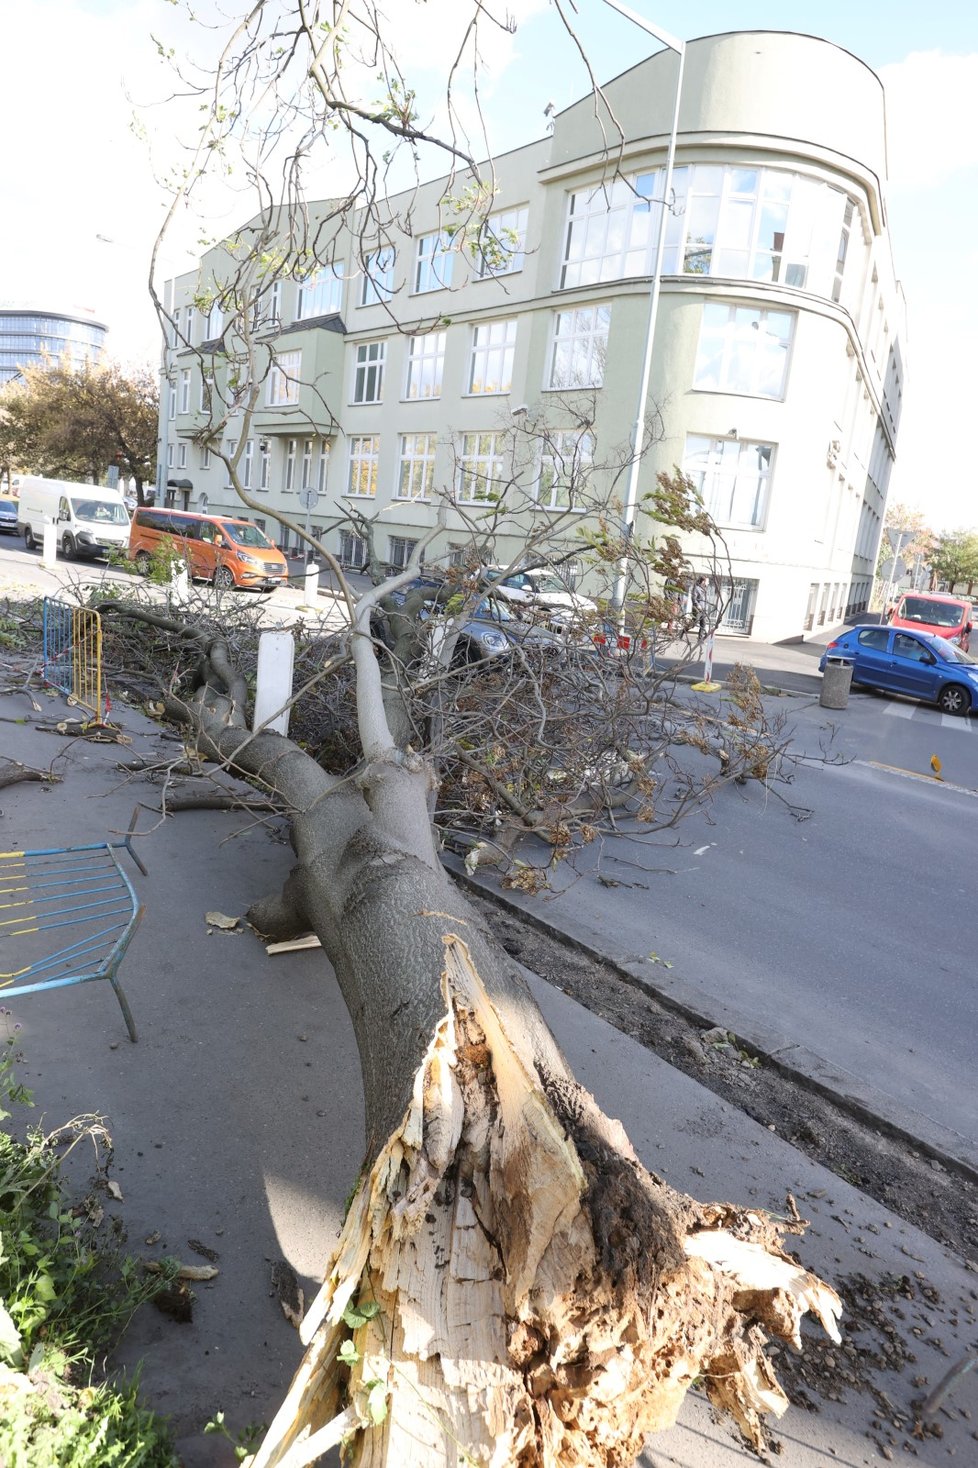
{"type": "Point", "coordinates": [836, 682]}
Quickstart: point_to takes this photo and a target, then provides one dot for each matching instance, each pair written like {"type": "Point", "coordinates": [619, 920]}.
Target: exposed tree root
{"type": "Point", "coordinates": [512, 1287]}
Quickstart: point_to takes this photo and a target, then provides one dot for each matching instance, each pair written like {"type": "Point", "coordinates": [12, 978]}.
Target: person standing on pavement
{"type": "Point", "coordinates": [698, 599]}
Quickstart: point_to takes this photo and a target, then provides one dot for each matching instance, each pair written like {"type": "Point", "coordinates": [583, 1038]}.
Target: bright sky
{"type": "Point", "coordinates": [72, 170]}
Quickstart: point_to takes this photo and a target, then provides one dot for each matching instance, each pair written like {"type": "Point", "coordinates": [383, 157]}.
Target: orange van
{"type": "Point", "coordinates": [934, 612]}
{"type": "Point", "coordinates": [218, 549]}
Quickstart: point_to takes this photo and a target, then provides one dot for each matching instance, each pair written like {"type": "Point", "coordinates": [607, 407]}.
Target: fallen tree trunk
{"type": "Point", "coordinates": [511, 1285]}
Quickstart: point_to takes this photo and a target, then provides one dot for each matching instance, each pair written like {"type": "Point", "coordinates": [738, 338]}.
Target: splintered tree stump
{"type": "Point", "coordinates": [512, 1287]}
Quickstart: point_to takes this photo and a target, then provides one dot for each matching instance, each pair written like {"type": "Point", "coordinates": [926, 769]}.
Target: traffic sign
{"type": "Point", "coordinates": [309, 498]}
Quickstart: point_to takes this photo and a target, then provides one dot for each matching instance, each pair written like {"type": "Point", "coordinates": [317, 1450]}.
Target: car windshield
{"type": "Point", "coordinates": [934, 613]}
{"type": "Point", "coordinates": [100, 512]}
{"type": "Point", "coordinates": [244, 534]}
{"type": "Point", "coordinates": [8, 507]}
{"type": "Point", "coordinates": [491, 610]}
{"type": "Point", "coordinates": [541, 582]}
{"type": "Point", "coordinates": [950, 653]}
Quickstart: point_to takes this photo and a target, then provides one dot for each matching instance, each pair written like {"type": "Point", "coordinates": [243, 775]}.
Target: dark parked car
{"type": "Point", "coordinates": [916, 664]}
{"type": "Point", "coordinates": [8, 517]}
{"type": "Point", "coordinates": [490, 629]}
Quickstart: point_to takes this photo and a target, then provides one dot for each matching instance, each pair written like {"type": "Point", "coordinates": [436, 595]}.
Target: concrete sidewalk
{"type": "Point", "coordinates": [237, 1122]}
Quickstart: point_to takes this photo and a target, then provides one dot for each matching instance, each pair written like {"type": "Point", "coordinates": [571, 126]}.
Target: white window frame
{"type": "Point", "coordinates": [264, 463]}
{"type": "Point", "coordinates": [612, 230]}
{"type": "Point", "coordinates": [505, 235]}
{"type": "Point", "coordinates": [322, 465]}
{"type": "Point", "coordinates": [289, 484]}
{"type": "Point", "coordinates": [579, 347]}
{"type": "Point", "coordinates": [377, 282]}
{"type": "Point", "coordinates": [205, 456]}
{"type": "Point", "coordinates": [364, 458]}
{"type": "Point", "coordinates": [734, 336]}
{"type": "Point", "coordinates": [181, 455]}
{"type": "Point", "coordinates": [425, 361]}
{"type": "Point", "coordinates": [171, 401]}
{"type": "Point", "coordinates": [206, 382]}
{"type": "Point", "coordinates": [416, 466]}
{"type": "Point", "coordinates": [305, 481]}
{"type": "Point", "coordinates": [434, 263]}
{"type": "Point", "coordinates": [169, 456]}
{"type": "Point", "coordinates": [566, 461]}
{"type": "Point", "coordinates": [400, 549]}
{"type": "Point", "coordinates": [247, 463]}
{"type": "Point", "coordinates": [491, 357]}
{"type": "Point", "coordinates": [369, 361]}
{"type": "Point", "coordinates": [717, 466]}
{"type": "Point", "coordinates": [177, 315]}
{"type": "Point", "coordinates": [215, 321]}
{"type": "Point", "coordinates": [482, 462]}
{"type": "Point", "coordinates": [282, 383]}
{"type": "Point", "coordinates": [321, 293]}
{"type": "Point", "coordinates": [230, 445]}
{"type": "Point", "coordinates": [353, 550]}
{"type": "Point", "coordinates": [185, 389]}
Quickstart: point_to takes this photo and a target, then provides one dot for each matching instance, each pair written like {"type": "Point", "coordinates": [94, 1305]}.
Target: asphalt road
{"type": "Point", "coordinates": [848, 932]}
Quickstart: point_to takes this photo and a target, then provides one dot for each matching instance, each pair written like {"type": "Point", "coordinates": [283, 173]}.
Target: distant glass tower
{"type": "Point", "coordinates": [27, 335]}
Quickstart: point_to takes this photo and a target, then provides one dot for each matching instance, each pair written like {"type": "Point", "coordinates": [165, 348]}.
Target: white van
{"type": "Point", "coordinates": [90, 520]}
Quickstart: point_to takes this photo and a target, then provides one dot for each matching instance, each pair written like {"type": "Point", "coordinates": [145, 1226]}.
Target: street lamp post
{"type": "Point", "coordinates": [638, 428]}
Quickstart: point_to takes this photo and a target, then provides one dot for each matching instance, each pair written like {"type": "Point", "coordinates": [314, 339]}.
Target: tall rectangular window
{"type": "Point", "coordinates": [264, 463]}
{"type": "Point", "coordinates": [215, 321]}
{"type": "Point", "coordinates": [306, 464]}
{"type": "Point", "coordinates": [377, 284]}
{"type": "Point", "coordinates": [416, 472]}
{"type": "Point", "coordinates": [426, 365]}
{"type": "Point", "coordinates": [743, 350]}
{"type": "Point", "coordinates": [171, 402]}
{"type": "Point", "coordinates": [181, 456]}
{"type": "Point", "coordinates": [491, 363]}
{"type": "Point", "coordinates": [353, 550]}
{"type": "Point", "coordinates": [206, 389]}
{"type": "Point", "coordinates": [322, 464]}
{"type": "Point", "coordinates": [502, 241]}
{"type": "Point", "coordinates": [176, 340]}
{"type": "Point", "coordinates": [565, 470]}
{"type": "Point", "coordinates": [480, 475]}
{"type": "Point", "coordinates": [321, 294]}
{"type": "Point", "coordinates": [401, 550]}
{"type": "Point", "coordinates": [368, 374]}
{"type": "Point", "coordinates": [205, 457]}
{"type": "Point", "coordinates": [247, 463]}
{"type": "Point", "coordinates": [364, 453]}
{"type": "Point", "coordinates": [733, 478]}
{"type": "Point", "coordinates": [290, 466]}
{"type": "Point", "coordinates": [230, 445]}
{"type": "Point", "coordinates": [282, 383]}
{"type": "Point", "coordinates": [580, 347]}
{"type": "Point", "coordinates": [185, 390]}
{"type": "Point", "coordinates": [433, 265]}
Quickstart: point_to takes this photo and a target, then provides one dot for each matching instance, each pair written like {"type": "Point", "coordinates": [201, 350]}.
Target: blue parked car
{"type": "Point", "coordinates": [8, 516]}
{"type": "Point", "coordinates": [916, 664]}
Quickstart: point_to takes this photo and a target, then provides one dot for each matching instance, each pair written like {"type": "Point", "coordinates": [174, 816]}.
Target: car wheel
{"type": "Point", "coordinates": [954, 699]}
{"type": "Point", "coordinates": [29, 540]}
{"type": "Point", "coordinates": [68, 547]}
{"type": "Point", "coordinates": [223, 578]}
{"type": "Point", "coordinates": [143, 563]}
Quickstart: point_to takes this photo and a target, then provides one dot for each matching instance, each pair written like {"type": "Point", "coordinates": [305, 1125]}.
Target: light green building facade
{"type": "Point", "coordinates": [777, 370]}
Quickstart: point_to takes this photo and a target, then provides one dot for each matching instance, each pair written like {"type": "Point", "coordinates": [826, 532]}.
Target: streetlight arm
{"type": "Point", "coordinates": [639, 20]}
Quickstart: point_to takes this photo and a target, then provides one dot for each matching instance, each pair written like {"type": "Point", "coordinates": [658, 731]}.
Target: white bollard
{"type": "Point", "coordinates": [179, 583]}
{"type": "Point", "coordinates": [708, 660]}
{"type": "Point", "coordinates": [310, 594]}
{"type": "Point", "coordinates": [49, 544]}
{"type": "Point", "coordinates": [273, 687]}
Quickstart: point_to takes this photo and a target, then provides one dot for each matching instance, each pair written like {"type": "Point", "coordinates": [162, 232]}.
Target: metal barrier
{"type": "Point", "coordinates": [79, 892]}
{"type": "Point", "coordinates": [73, 655]}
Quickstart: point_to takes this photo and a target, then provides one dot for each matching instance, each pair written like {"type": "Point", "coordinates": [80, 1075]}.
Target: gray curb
{"type": "Point", "coordinates": [802, 1066]}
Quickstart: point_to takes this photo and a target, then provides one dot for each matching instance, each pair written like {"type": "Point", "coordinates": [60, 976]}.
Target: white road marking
{"type": "Point", "coordinates": [901, 710]}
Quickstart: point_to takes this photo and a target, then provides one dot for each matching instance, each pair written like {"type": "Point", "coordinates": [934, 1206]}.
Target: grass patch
{"type": "Point", "coordinates": [66, 1296]}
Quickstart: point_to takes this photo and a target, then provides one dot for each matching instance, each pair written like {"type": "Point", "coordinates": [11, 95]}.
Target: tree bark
{"type": "Point", "coordinates": [511, 1286]}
